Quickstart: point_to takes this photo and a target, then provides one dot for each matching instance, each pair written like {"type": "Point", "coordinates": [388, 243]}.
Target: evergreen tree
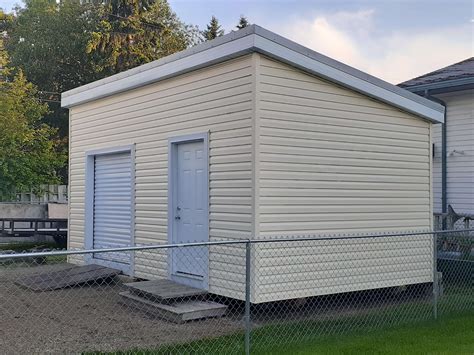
{"type": "Point", "coordinates": [213, 30]}
{"type": "Point", "coordinates": [243, 22]}
{"type": "Point", "coordinates": [134, 32]}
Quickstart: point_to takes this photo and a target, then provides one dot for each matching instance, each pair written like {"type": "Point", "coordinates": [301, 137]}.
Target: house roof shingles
{"type": "Point", "coordinates": [461, 70]}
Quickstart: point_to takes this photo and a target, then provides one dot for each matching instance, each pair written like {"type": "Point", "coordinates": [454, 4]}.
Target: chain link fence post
{"type": "Point", "coordinates": [435, 276]}
{"type": "Point", "coordinates": [247, 297]}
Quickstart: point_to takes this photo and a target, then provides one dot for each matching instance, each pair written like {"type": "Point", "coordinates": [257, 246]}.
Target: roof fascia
{"type": "Point", "coordinates": [444, 86]}
{"type": "Point", "coordinates": [427, 109]}
{"type": "Point", "coordinates": [256, 39]}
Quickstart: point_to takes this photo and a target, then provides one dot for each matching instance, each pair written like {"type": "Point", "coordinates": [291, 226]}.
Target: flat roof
{"type": "Point", "coordinates": [249, 40]}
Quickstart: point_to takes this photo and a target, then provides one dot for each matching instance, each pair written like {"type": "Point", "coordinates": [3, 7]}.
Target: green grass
{"type": "Point", "coordinates": [451, 335]}
{"type": "Point", "coordinates": [56, 259]}
{"type": "Point", "coordinates": [19, 247]}
{"type": "Point", "coordinates": [447, 336]}
{"type": "Point", "coordinates": [27, 245]}
{"type": "Point", "coordinates": [406, 328]}
{"type": "Point", "coordinates": [394, 330]}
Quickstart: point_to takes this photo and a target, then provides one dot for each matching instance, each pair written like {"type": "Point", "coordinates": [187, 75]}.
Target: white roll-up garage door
{"type": "Point", "coordinates": [112, 205]}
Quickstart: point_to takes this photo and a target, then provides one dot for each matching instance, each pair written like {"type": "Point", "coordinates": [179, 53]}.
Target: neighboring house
{"type": "Point", "coordinates": [453, 167]}
{"type": "Point", "coordinates": [252, 136]}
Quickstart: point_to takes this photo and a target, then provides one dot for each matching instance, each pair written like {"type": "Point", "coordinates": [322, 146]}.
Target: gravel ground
{"type": "Point", "coordinates": [87, 318]}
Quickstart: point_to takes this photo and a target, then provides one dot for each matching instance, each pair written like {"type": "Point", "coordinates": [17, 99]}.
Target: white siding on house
{"type": "Point", "coordinates": [217, 99]}
{"type": "Point", "coordinates": [460, 153]}
{"type": "Point", "coordinates": [334, 161]}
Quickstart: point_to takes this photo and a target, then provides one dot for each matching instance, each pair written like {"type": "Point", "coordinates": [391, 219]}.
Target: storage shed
{"type": "Point", "coordinates": [250, 136]}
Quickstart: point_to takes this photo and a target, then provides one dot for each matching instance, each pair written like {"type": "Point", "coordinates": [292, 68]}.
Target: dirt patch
{"type": "Point", "coordinates": [86, 318]}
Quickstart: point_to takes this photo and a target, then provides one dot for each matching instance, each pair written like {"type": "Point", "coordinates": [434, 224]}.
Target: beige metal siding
{"type": "Point", "coordinates": [334, 161]}
{"type": "Point", "coordinates": [291, 270]}
{"type": "Point", "coordinates": [324, 159]}
{"type": "Point", "coordinates": [460, 149]}
{"type": "Point", "coordinates": [217, 99]}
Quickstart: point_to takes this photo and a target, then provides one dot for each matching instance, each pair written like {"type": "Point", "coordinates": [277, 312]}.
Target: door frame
{"type": "Point", "coordinates": [173, 143]}
{"type": "Point", "coordinates": [89, 206]}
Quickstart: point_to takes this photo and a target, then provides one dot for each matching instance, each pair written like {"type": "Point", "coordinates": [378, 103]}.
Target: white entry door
{"type": "Point", "coordinates": [190, 264]}
{"type": "Point", "coordinates": [112, 208]}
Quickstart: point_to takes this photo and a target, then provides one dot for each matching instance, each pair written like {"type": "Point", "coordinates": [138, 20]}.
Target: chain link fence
{"type": "Point", "coordinates": [264, 296]}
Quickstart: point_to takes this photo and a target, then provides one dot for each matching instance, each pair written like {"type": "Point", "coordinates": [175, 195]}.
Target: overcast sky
{"type": "Point", "coordinates": [394, 40]}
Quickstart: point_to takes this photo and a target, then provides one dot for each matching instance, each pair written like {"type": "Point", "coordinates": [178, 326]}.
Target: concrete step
{"type": "Point", "coordinates": [177, 312]}
{"type": "Point", "coordinates": [164, 290]}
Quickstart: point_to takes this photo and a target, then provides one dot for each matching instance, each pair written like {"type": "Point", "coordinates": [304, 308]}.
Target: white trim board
{"type": "Point", "coordinates": [89, 204]}
{"type": "Point", "coordinates": [248, 40]}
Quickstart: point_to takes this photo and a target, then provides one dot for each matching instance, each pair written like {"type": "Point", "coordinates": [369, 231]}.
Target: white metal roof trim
{"type": "Point", "coordinates": [255, 39]}
{"type": "Point", "coordinates": [342, 67]}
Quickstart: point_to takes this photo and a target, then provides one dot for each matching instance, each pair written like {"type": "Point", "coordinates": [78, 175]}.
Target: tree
{"type": "Point", "coordinates": [60, 45]}
{"type": "Point", "coordinates": [30, 153]}
{"type": "Point", "coordinates": [133, 32]}
{"type": "Point", "coordinates": [47, 40]}
{"type": "Point", "coordinates": [243, 22]}
{"type": "Point", "coordinates": [5, 23]}
{"type": "Point", "coordinates": [213, 30]}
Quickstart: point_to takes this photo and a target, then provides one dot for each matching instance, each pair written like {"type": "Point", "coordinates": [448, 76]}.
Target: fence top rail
{"type": "Point", "coordinates": [122, 249]}
{"type": "Point", "coordinates": [460, 215]}
{"type": "Point", "coordinates": [356, 236]}
{"type": "Point", "coordinates": [35, 202]}
{"type": "Point", "coordinates": [228, 242]}
{"type": "Point", "coordinates": [32, 219]}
